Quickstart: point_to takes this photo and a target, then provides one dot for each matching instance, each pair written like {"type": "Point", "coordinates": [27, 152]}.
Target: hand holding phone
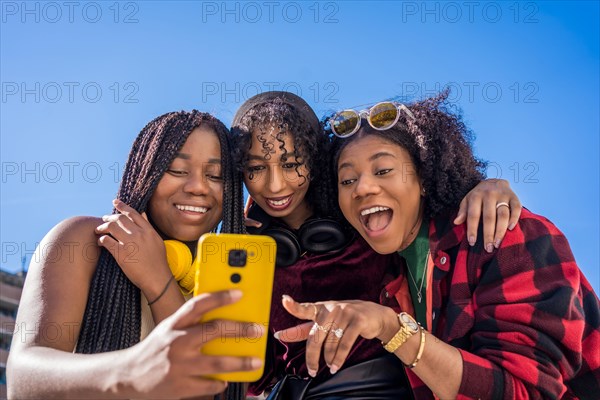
{"type": "Point", "coordinates": [246, 263]}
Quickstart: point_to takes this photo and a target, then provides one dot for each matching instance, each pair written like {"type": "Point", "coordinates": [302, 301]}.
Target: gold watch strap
{"type": "Point", "coordinates": [403, 334]}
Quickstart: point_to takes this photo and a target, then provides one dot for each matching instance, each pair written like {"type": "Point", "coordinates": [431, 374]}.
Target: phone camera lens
{"type": "Point", "coordinates": [236, 278]}
{"type": "Point", "coordinates": [237, 258]}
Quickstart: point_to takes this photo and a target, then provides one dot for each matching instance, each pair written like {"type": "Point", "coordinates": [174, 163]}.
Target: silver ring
{"type": "Point", "coordinates": [339, 332]}
{"type": "Point", "coordinates": [317, 327]}
{"type": "Point", "coordinates": [502, 204]}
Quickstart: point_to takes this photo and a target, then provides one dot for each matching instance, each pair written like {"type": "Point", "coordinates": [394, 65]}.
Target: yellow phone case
{"type": "Point", "coordinates": [214, 272]}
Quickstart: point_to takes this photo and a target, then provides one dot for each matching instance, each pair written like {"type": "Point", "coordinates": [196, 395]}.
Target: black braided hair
{"type": "Point", "coordinates": [112, 318]}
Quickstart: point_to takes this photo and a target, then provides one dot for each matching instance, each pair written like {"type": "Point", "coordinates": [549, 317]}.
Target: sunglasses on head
{"type": "Point", "coordinates": [381, 116]}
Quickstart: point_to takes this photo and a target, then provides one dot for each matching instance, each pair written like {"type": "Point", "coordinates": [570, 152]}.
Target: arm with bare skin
{"type": "Point", "coordinates": [166, 364]}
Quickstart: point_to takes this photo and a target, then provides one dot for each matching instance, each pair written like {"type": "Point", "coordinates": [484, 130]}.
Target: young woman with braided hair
{"type": "Point", "coordinates": [283, 153]}
{"type": "Point", "coordinates": [89, 304]}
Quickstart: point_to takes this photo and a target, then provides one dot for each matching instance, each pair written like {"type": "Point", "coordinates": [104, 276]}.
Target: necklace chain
{"type": "Point", "coordinates": [419, 294]}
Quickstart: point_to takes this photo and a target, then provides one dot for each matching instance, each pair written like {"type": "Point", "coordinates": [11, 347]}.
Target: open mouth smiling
{"type": "Point", "coordinates": [375, 218]}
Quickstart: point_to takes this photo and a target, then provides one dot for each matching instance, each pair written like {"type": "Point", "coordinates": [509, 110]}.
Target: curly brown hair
{"type": "Point", "coordinates": [310, 147]}
{"type": "Point", "coordinates": [439, 144]}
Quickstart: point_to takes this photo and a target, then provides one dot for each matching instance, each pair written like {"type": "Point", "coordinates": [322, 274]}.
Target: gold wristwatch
{"type": "Point", "coordinates": [408, 327]}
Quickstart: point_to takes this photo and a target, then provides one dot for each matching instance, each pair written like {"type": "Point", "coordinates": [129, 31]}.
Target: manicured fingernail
{"type": "Point", "coordinates": [511, 226]}
{"type": "Point", "coordinates": [235, 294]}
{"type": "Point", "coordinates": [334, 368]}
{"type": "Point", "coordinates": [489, 247]}
{"type": "Point", "coordinates": [276, 335]}
{"type": "Point", "coordinates": [256, 363]}
{"type": "Point", "coordinates": [257, 330]}
{"type": "Point", "coordinates": [312, 373]}
{"type": "Point", "coordinates": [285, 297]}
{"type": "Point", "coordinates": [497, 243]}
{"type": "Point", "coordinates": [472, 240]}
{"type": "Point", "coordinates": [116, 201]}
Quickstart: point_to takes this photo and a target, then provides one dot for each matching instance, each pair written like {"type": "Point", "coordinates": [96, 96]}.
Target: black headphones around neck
{"type": "Point", "coordinates": [316, 235]}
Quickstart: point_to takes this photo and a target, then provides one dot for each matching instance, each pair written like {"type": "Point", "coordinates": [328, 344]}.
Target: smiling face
{"type": "Point", "coordinates": [278, 184]}
{"type": "Point", "coordinates": [188, 200]}
{"type": "Point", "coordinates": [380, 193]}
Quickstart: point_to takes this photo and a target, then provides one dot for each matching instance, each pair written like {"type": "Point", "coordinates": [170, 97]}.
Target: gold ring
{"type": "Point", "coordinates": [502, 204]}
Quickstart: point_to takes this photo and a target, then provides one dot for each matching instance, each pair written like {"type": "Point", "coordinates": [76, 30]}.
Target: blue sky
{"type": "Point", "coordinates": [80, 79]}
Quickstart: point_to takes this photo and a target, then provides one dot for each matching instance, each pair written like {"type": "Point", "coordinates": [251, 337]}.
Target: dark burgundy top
{"type": "Point", "coordinates": [355, 273]}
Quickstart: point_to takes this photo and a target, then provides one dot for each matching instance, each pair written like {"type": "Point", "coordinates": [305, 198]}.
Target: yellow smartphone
{"type": "Point", "coordinates": [247, 263]}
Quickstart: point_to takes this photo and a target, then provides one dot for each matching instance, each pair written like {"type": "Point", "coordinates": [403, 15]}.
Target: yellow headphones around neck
{"type": "Point", "coordinates": [181, 264]}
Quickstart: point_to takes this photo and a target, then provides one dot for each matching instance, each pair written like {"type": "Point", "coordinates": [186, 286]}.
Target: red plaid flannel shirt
{"type": "Point", "coordinates": [525, 319]}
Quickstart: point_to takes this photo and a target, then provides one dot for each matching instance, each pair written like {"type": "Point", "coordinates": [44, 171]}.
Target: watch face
{"type": "Point", "coordinates": [408, 321]}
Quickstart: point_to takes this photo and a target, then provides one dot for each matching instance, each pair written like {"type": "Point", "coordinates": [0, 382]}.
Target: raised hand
{"type": "Point", "coordinates": [336, 326]}
{"type": "Point", "coordinates": [137, 247]}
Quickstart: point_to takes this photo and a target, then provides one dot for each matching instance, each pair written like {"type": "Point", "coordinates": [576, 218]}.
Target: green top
{"type": "Point", "coordinates": [416, 255]}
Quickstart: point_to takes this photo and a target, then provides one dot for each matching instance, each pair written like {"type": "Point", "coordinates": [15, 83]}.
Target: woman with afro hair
{"type": "Point", "coordinates": [518, 322]}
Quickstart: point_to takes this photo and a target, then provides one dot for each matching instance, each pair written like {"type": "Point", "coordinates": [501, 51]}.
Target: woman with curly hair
{"type": "Point", "coordinates": [283, 154]}
{"type": "Point", "coordinates": [518, 322]}
{"type": "Point", "coordinates": [97, 286]}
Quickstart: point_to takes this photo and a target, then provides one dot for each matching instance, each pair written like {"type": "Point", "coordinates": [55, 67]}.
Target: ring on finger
{"type": "Point", "coordinates": [339, 332]}
{"type": "Point", "coordinates": [317, 327]}
{"type": "Point", "coordinates": [501, 204]}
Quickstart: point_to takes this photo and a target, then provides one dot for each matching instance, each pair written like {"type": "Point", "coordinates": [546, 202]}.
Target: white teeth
{"type": "Point", "coordinates": [279, 202]}
{"type": "Point", "coordinates": [191, 208]}
{"type": "Point", "coordinates": [373, 210]}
